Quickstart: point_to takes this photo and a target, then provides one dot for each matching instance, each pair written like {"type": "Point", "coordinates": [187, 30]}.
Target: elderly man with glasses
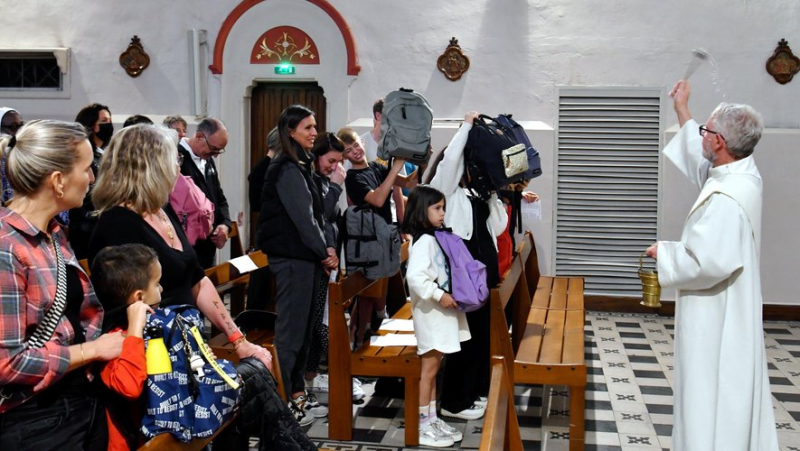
{"type": "Point", "coordinates": [721, 391]}
{"type": "Point", "coordinates": [197, 152]}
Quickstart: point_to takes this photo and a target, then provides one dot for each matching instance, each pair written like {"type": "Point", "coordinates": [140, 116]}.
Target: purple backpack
{"type": "Point", "coordinates": [467, 275]}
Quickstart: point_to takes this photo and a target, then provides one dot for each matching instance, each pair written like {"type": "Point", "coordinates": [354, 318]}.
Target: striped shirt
{"type": "Point", "coordinates": [27, 291]}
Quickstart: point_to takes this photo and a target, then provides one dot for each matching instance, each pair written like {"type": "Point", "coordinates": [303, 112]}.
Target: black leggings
{"type": "Point", "coordinates": [69, 422]}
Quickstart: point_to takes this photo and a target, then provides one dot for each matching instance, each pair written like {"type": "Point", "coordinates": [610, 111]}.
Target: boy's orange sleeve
{"type": "Point", "coordinates": [127, 373]}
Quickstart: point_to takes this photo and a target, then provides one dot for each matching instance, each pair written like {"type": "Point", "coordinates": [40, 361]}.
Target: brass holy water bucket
{"type": "Point", "coordinates": [651, 290]}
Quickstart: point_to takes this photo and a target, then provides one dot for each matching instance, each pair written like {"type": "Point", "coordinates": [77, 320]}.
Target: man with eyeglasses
{"type": "Point", "coordinates": [208, 141]}
{"type": "Point", "coordinates": [721, 393]}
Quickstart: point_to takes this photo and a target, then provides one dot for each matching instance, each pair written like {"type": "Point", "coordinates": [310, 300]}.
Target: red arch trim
{"type": "Point", "coordinates": [353, 68]}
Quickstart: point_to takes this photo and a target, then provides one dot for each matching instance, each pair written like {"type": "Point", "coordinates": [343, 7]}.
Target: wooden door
{"type": "Point", "coordinates": [267, 102]}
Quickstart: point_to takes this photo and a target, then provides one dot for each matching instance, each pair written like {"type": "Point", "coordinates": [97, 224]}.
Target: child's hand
{"type": "Point", "coordinates": [530, 196]}
{"type": "Point", "coordinates": [447, 301]}
{"type": "Point", "coordinates": [137, 318]}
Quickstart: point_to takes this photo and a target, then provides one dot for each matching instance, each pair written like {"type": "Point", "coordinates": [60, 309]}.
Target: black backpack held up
{"type": "Point", "coordinates": [534, 163]}
{"type": "Point", "coordinates": [486, 154]}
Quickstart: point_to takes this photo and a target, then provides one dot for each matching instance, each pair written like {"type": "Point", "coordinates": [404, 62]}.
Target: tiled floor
{"type": "Point", "coordinates": [628, 395]}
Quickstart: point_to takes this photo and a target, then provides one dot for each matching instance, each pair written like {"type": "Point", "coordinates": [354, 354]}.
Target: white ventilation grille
{"type": "Point", "coordinates": [607, 194]}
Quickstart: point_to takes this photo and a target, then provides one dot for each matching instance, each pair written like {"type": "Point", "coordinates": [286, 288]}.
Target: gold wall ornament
{"type": "Point", "coordinates": [782, 65]}
{"type": "Point", "coordinates": [284, 44]}
{"type": "Point", "coordinates": [453, 63]}
{"type": "Point", "coordinates": [134, 60]}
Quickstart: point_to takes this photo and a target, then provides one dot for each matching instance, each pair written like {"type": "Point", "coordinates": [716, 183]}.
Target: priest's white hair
{"type": "Point", "coordinates": [741, 127]}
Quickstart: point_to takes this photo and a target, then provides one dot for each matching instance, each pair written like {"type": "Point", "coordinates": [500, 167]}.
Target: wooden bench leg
{"type": "Point", "coordinates": [340, 403]}
{"type": "Point", "coordinates": [412, 410]}
{"type": "Point", "coordinates": [577, 425]}
{"type": "Point", "coordinates": [276, 371]}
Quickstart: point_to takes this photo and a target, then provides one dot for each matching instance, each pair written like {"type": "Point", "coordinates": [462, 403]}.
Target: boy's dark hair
{"type": "Point", "coordinates": [118, 271]}
{"type": "Point", "coordinates": [137, 119]}
{"type": "Point", "coordinates": [325, 143]}
{"type": "Point", "coordinates": [416, 218]}
{"type": "Point", "coordinates": [377, 107]}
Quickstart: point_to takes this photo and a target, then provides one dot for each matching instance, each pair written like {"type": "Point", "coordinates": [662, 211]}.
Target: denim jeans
{"type": "Point", "coordinates": [71, 422]}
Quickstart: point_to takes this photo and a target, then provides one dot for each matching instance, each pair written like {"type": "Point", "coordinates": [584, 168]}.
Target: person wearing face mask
{"type": "Point", "coordinates": [10, 122]}
{"type": "Point", "coordinates": [96, 119]}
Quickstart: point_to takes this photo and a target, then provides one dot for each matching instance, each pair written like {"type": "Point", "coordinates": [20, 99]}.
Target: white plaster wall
{"type": "Point", "coordinates": [520, 52]}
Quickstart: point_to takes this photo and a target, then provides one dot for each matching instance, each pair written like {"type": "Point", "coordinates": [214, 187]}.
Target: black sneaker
{"type": "Point", "coordinates": [296, 407]}
{"type": "Point", "coordinates": [311, 407]}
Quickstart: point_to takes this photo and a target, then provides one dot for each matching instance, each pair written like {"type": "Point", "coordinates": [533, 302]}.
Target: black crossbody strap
{"type": "Point", "coordinates": [46, 329]}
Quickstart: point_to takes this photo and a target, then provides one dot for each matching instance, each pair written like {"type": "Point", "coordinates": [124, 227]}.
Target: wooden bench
{"type": "Point", "coordinates": [228, 280]}
{"type": "Point", "coordinates": [166, 442]}
{"type": "Point", "coordinates": [548, 337]}
{"type": "Point", "coordinates": [500, 424]}
{"type": "Point", "coordinates": [393, 361]}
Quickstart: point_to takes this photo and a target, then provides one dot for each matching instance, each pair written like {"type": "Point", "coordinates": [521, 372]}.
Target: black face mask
{"type": "Point", "coordinates": [105, 132]}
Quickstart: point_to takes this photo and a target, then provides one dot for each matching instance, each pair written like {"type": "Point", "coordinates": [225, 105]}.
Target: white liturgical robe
{"type": "Point", "coordinates": [721, 389]}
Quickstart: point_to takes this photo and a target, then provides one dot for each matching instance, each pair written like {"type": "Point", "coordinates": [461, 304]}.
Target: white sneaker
{"type": "Point", "coordinates": [446, 429]}
{"type": "Point", "coordinates": [319, 383]}
{"type": "Point", "coordinates": [482, 401]}
{"type": "Point", "coordinates": [473, 412]}
{"type": "Point", "coordinates": [433, 437]}
{"type": "Point", "coordinates": [358, 392]}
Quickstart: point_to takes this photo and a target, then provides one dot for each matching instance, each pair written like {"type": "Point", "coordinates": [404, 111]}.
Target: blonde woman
{"type": "Point", "coordinates": [46, 399]}
{"type": "Point", "coordinates": [137, 173]}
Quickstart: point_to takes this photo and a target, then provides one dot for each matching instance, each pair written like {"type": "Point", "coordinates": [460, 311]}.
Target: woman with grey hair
{"type": "Point", "coordinates": [50, 318]}
{"type": "Point", "coordinates": [176, 123]}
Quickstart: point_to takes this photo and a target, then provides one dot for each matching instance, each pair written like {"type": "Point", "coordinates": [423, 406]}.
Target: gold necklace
{"type": "Point", "coordinates": [170, 231]}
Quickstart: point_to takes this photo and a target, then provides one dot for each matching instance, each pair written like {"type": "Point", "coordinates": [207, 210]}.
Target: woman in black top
{"type": "Point", "coordinates": [329, 176]}
{"type": "Point", "coordinates": [290, 231]}
{"type": "Point", "coordinates": [96, 118]}
{"type": "Point", "coordinates": [137, 173]}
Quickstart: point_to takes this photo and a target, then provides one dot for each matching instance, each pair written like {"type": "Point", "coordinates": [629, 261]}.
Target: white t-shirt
{"type": "Point", "coordinates": [370, 146]}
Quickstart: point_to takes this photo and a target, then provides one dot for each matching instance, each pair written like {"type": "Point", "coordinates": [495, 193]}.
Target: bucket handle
{"type": "Point", "coordinates": [641, 263]}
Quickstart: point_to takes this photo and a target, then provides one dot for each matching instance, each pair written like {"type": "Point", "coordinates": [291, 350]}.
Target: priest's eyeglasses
{"type": "Point", "coordinates": [704, 130]}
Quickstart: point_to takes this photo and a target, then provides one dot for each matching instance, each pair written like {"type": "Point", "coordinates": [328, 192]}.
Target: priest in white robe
{"type": "Point", "coordinates": [721, 390]}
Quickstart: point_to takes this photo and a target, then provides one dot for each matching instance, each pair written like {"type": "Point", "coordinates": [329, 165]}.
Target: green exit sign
{"type": "Point", "coordinates": [284, 69]}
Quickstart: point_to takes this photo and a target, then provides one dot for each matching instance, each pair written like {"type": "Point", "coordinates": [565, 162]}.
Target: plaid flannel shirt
{"type": "Point", "coordinates": [28, 272]}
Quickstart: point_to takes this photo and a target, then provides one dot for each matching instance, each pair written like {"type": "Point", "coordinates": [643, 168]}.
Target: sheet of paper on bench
{"type": "Point", "coordinates": [400, 325]}
{"type": "Point", "coordinates": [244, 264]}
{"type": "Point", "coordinates": [393, 340]}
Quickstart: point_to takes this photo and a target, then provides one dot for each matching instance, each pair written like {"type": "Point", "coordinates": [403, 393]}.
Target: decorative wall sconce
{"type": "Point", "coordinates": [782, 65]}
{"type": "Point", "coordinates": [453, 63]}
{"type": "Point", "coordinates": [134, 60]}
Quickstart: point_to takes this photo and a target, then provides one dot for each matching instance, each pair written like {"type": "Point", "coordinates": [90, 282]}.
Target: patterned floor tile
{"type": "Point", "coordinates": [629, 397]}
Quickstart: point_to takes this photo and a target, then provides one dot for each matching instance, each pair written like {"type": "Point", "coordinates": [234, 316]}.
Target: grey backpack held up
{"type": "Point", "coordinates": [406, 123]}
{"type": "Point", "coordinates": [371, 245]}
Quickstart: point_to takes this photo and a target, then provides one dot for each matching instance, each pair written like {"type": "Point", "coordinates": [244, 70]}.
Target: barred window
{"type": "Point", "coordinates": [30, 71]}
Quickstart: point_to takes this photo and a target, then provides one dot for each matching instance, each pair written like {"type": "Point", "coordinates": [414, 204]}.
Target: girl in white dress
{"type": "Point", "coordinates": [439, 325]}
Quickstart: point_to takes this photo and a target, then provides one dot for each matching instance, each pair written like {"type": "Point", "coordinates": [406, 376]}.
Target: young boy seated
{"type": "Point", "coordinates": [126, 279]}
